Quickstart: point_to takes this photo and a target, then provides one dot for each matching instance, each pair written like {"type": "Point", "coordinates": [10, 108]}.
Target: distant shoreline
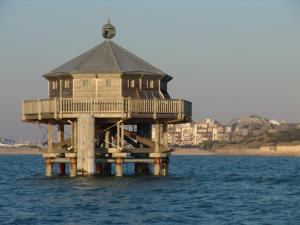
{"type": "Point", "coordinates": [288, 150]}
{"type": "Point", "coordinates": [20, 151]}
{"type": "Point", "coordinates": [293, 150]}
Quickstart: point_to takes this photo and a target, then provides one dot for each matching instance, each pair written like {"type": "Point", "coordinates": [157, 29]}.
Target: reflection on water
{"type": "Point", "coordinates": [199, 190]}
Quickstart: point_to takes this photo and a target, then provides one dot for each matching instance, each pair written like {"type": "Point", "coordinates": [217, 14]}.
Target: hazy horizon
{"type": "Point", "coordinates": [230, 59]}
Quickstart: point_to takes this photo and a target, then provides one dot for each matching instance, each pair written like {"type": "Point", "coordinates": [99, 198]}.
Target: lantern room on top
{"type": "Point", "coordinates": [107, 71]}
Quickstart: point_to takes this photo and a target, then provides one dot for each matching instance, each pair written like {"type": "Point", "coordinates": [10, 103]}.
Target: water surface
{"type": "Point", "coordinates": [199, 190]}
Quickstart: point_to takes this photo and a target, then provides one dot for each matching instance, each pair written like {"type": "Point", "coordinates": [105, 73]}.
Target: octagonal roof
{"type": "Point", "coordinates": [106, 58]}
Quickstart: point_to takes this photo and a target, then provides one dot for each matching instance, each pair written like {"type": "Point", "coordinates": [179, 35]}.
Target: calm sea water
{"type": "Point", "coordinates": [200, 190]}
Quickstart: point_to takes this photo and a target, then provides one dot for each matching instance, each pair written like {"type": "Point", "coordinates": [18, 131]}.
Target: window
{"type": "Point", "coordinates": [151, 84]}
{"type": "Point", "coordinates": [108, 83]}
{"type": "Point", "coordinates": [67, 83]}
{"type": "Point", "coordinates": [54, 85]}
{"type": "Point", "coordinates": [131, 83]}
{"type": "Point", "coordinates": [85, 83]}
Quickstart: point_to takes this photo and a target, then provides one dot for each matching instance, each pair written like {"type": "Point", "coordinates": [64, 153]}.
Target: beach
{"type": "Point", "coordinates": [283, 150]}
{"type": "Point", "coordinates": [279, 150]}
{"type": "Point", "coordinates": [20, 151]}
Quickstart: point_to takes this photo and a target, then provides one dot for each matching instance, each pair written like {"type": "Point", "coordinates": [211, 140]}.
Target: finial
{"type": "Point", "coordinates": [108, 30]}
{"type": "Point", "coordinates": [108, 13]}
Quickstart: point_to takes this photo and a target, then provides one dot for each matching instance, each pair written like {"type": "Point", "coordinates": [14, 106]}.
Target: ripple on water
{"type": "Point", "coordinates": [206, 190]}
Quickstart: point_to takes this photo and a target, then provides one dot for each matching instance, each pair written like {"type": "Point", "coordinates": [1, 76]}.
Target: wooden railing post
{"type": "Point", "coordinates": [55, 107]}
{"type": "Point", "coordinates": [39, 109]}
{"type": "Point", "coordinates": [155, 109]}
{"type": "Point", "coordinates": [123, 105]}
{"type": "Point", "coordinates": [180, 109]}
{"type": "Point", "coordinates": [129, 107]}
{"type": "Point", "coordinates": [92, 106]}
{"type": "Point", "coordinates": [60, 107]}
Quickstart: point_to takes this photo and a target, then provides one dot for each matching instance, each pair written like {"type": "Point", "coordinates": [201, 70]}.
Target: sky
{"type": "Point", "coordinates": [230, 58]}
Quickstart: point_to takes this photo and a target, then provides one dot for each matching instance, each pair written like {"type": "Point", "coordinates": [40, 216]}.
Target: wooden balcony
{"type": "Point", "coordinates": [127, 108]}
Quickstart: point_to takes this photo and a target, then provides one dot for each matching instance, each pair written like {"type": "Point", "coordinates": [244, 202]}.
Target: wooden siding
{"type": "Point", "coordinates": [61, 89]}
{"type": "Point", "coordinates": [67, 92]}
{"type": "Point", "coordinates": [53, 92]}
{"type": "Point", "coordinates": [140, 84]}
{"type": "Point", "coordinates": [81, 91]}
{"type": "Point", "coordinates": [97, 86]}
{"type": "Point", "coordinates": [114, 91]}
{"type": "Point", "coordinates": [129, 91]}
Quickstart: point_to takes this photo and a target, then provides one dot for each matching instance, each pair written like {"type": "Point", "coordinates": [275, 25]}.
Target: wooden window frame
{"type": "Point", "coordinates": [151, 84]}
{"type": "Point", "coordinates": [132, 83]}
{"type": "Point", "coordinates": [108, 83]}
{"type": "Point", "coordinates": [66, 84]}
{"type": "Point", "coordinates": [54, 85]}
{"type": "Point", "coordinates": [85, 83]}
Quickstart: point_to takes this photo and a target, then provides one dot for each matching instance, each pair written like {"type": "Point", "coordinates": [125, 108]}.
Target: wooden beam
{"type": "Point", "coordinates": [157, 137]}
{"type": "Point", "coordinates": [50, 137]}
{"type": "Point", "coordinates": [144, 140]}
{"type": "Point", "coordinates": [122, 135]}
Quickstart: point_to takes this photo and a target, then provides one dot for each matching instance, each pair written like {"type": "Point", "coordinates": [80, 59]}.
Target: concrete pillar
{"type": "Point", "coordinates": [50, 137]}
{"type": "Point", "coordinates": [156, 169]}
{"type": "Point", "coordinates": [119, 167]}
{"type": "Point", "coordinates": [157, 137]}
{"type": "Point", "coordinates": [86, 145]}
{"type": "Point", "coordinates": [49, 167]}
{"type": "Point", "coordinates": [73, 167]}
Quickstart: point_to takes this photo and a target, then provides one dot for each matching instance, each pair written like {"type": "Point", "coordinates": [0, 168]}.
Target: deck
{"type": "Point", "coordinates": [127, 108]}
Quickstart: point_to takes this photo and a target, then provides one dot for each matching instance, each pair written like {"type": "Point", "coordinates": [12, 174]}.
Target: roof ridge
{"type": "Point", "coordinates": [138, 58]}
{"type": "Point", "coordinates": [114, 54]}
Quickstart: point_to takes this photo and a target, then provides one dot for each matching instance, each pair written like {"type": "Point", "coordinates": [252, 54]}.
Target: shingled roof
{"type": "Point", "coordinates": [107, 57]}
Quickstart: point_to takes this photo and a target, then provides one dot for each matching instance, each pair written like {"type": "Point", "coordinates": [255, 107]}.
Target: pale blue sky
{"type": "Point", "coordinates": [230, 58]}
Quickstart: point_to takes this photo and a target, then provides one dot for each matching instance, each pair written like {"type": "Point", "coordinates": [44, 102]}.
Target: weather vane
{"type": "Point", "coordinates": [108, 30]}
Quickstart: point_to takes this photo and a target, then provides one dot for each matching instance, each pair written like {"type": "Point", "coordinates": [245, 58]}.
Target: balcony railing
{"type": "Point", "coordinates": [118, 107]}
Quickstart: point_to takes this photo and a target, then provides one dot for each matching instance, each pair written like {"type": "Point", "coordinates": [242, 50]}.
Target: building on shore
{"type": "Point", "coordinates": [197, 132]}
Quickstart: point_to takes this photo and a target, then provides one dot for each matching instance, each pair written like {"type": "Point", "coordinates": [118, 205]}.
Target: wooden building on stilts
{"type": "Point", "coordinates": [110, 100]}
